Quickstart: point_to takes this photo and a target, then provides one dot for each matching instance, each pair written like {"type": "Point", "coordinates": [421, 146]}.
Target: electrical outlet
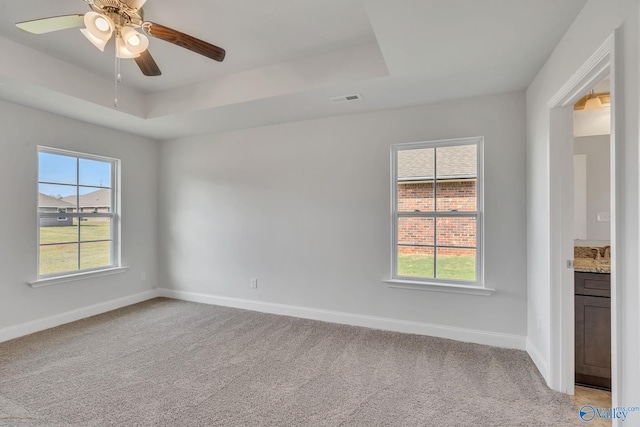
{"type": "Point", "coordinates": [143, 276]}
{"type": "Point", "coordinates": [254, 283]}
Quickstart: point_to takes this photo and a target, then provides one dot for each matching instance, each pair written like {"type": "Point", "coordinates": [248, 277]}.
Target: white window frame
{"type": "Point", "coordinates": [114, 215]}
{"type": "Point", "coordinates": [425, 283]}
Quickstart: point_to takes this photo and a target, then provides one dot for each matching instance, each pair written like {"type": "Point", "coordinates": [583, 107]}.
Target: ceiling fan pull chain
{"type": "Point", "coordinates": [117, 78]}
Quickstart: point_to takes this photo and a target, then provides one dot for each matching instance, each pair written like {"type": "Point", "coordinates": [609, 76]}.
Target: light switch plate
{"type": "Point", "coordinates": [603, 217]}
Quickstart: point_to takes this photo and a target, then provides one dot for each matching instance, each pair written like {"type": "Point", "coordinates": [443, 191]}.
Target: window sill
{"type": "Point", "coordinates": [78, 276]}
{"type": "Point", "coordinates": [450, 288]}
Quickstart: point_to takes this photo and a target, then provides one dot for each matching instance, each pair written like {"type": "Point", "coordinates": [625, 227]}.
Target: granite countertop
{"type": "Point", "coordinates": [587, 260]}
{"type": "Point", "coordinates": [590, 265]}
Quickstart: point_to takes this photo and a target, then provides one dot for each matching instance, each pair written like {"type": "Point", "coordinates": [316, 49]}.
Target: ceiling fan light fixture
{"type": "Point", "coordinates": [122, 51]}
{"type": "Point", "coordinates": [99, 25]}
{"type": "Point", "coordinates": [99, 43]}
{"type": "Point", "coordinates": [99, 29]}
{"type": "Point", "coordinates": [135, 42]}
{"type": "Point", "coordinates": [102, 24]}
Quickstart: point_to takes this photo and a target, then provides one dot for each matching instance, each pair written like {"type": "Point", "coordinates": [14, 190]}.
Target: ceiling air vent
{"type": "Point", "coordinates": [345, 98]}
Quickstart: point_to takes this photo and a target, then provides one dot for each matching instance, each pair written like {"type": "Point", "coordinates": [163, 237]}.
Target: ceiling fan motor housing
{"type": "Point", "coordinates": [120, 13]}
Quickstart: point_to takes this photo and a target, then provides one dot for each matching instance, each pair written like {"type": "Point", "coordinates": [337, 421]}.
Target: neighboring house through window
{"type": "Point", "coordinates": [83, 187]}
{"type": "Point", "coordinates": [437, 211]}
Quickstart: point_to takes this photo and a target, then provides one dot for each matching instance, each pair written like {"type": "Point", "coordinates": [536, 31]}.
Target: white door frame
{"type": "Point", "coordinates": [603, 62]}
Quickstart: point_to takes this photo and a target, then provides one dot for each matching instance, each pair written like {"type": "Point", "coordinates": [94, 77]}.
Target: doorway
{"type": "Point", "coordinates": [561, 248]}
{"type": "Point", "coordinates": [592, 237]}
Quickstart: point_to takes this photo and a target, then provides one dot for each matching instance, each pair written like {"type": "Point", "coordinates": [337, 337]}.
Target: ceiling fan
{"type": "Point", "coordinates": [124, 18]}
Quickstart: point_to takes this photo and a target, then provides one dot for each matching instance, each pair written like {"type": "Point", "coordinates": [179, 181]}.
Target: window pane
{"type": "Point", "coordinates": [456, 171]}
{"type": "Point", "coordinates": [456, 232]}
{"type": "Point", "coordinates": [415, 180]}
{"type": "Point", "coordinates": [58, 230]}
{"type": "Point", "coordinates": [56, 198]}
{"type": "Point", "coordinates": [92, 229]}
{"type": "Point", "coordinates": [95, 173]}
{"type": "Point", "coordinates": [57, 168]}
{"type": "Point", "coordinates": [93, 255]}
{"type": "Point", "coordinates": [456, 162]}
{"type": "Point", "coordinates": [457, 195]}
{"type": "Point", "coordinates": [58, 258]}
{"type": "Point", "coordinates": [415, 261]}
{"type": "Point", "coordinates": [456, 264]}
{"type": "Point", "coordinates": [415, 197]}
{"type": "Point", "coordinates": [415, 231]}
{"type": "Point", "coordinates": [96, 201]}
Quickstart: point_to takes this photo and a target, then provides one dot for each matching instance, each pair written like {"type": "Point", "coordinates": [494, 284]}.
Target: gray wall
{"type": "Point", "coordinates": [305, 208]}
{"type": "Point", "coordinates": [22, 130]}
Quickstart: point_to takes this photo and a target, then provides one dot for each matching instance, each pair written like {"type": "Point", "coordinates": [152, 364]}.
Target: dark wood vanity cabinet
{"type": "Point", "coordinates": [593, 329]}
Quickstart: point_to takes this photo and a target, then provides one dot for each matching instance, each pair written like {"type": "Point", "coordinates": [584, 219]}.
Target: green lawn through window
{"type": "Point", "coordinates": [449, 267]}
{"type": "Point", "coordinates": [64, 257]}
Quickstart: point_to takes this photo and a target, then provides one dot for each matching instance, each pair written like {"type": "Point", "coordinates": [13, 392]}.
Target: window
{"type": "Point", "coordinates": [83, 188]}
{"type": "Point", "coordinates": [437, 212]}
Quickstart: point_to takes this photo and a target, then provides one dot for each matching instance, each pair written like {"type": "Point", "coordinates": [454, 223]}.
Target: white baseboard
{"type": "Point", "coordinates": [459, 334]}
{"type": "Point", "coordinates": [539, 361]}
{"type": "Point", "coordinates": [38, 325]}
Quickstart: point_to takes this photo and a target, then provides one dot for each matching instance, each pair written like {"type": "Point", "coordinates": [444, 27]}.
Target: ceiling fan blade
{"type": "Point", "coordinates": [184, 40]}
{"type": "Point", "coordinates": [54, 23]}
{"type": "Point", "coordinates": [147, 65]}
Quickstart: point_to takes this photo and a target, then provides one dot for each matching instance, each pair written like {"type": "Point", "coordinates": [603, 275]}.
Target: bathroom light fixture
{"type": "Point", "coordinates": [593, 101]}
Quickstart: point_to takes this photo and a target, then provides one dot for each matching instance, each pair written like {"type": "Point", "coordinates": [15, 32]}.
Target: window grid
{"type": "Point", "coordinates": [435, 214]}
{"type": "Point", "coordinates": [81, 216]}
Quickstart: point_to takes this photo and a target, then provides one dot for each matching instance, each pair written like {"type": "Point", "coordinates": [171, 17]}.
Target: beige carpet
{"type": "Point", "coordinates": [173, 363]}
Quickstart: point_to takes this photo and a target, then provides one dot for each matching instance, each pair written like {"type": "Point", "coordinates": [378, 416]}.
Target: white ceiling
{"type": "Point", "coordinates": [285, 59]}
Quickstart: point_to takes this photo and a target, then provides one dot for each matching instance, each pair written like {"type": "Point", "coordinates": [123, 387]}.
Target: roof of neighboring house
{"type": "Point", "coordinates": [452, 162]}
{"type": "Point", "coordinates": [45, 201]}
{"type": "Point", "coordinates": [95, 199]}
